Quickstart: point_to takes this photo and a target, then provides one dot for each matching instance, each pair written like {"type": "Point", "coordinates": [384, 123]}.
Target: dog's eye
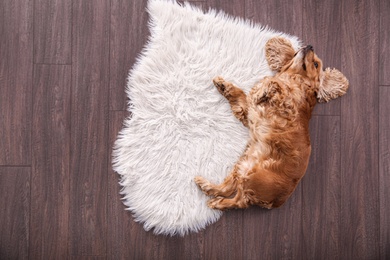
{"type": "Point", "coordinates": [316, 64]}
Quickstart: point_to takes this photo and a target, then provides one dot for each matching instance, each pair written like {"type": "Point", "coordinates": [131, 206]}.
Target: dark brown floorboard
{"type": "Point", "coordinates": [15, 81]}
{"type": "Point", "coordinates": [52, 31]}
{"type": "Point", "coordinates": [281, 15]}
{"type": "Point", "coordinates": [384, 171]}
{"type": "Point", "coordinates": [339, 211]}
{"type": "Point", "coordinates": [50, 166]}
{"type": "Point", "coordinates": [88, 257]}
{"type": "Point", "coordinates": [274, 234]}
{"type": "Point", "coordinates": [231, 7]}
{"type": "Point", "coordinates": [359, 131]}
{"type": "Point", "coordinates": [316, 32]}
{"type": "Point", "coordinates": [321, 191]}
{"type": "Point", "coordinates": [120, 238]}
{"type": "Point", "coordinates": [89, 127]}
{"type": "Point", "coordinates": [384, 36]}
{"type": "Point", "coordinates": [230, 227]}
{"type": "Point", "coordinates": [15, 212]}
{"type": "Point", "coordinates": [128, 33]}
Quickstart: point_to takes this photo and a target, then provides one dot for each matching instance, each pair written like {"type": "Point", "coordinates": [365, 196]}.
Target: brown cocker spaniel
{"type": "Point", "coordinates": [277, 112]}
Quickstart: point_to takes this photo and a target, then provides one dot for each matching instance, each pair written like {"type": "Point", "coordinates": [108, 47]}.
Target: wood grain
{"type": "Point", "coordinates": [50, 165]}
{"type": "Point", "coordinates": [384, 171]}
{"type": "Point", "coordinates": [281, 15]}
{"type": "Point", "coordinates": [229, 226]}
{"type": "Point", "coordinates": [15, 212]}
{"type": "Point", "coordinates": [89, 127]}
{"type": "Point", "coordinates": [53, 31]}
{"type": "Point", "coordinates": [325, 37]}
{"type": "Point", "coordinates": [359, 131]}
{"type": "Point", "coordinates": [15, 81]}
{"type": "Point", "coordinates": [384, 37]}
{"type": "Point", "coordinates": [128, 34]}
{"type": "Point", "coordinates": [274, 234]}
{"type": "Point", "coordinates": [321, 191]}
{"type": "Point", "coordinates": [120, 236]}
{"type": "Point", "coordinates": [231, 7]}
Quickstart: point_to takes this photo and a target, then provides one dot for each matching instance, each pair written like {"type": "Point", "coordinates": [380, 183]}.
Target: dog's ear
{"type": "Point", "coordinates": [333, 85]}
{"type": "Point", "coordinates": [278, 52]}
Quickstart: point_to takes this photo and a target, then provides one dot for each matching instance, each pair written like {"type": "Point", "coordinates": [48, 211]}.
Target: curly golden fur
{"type": "Point", "coordinates": [277, 112]}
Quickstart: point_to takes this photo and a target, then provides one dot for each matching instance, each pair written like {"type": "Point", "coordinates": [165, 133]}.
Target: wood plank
{"type": "Point", "coordinates": [128, 33]}
{"type": "Point", "coordinates": [224, 239]}
{"type": "Point", "coordinates": [384, 36]}
{"type": "Point", "coordinates": [122, 236]}
{"type": "Point", "coordinates": [126, 238]}
{"type": "Point", "coordinates": [50, 165]}
{"type": "Point", "coordinates": [146, 245]}
{"type": "Point", "coordinates": [384, 172]}
{"type": "Point", "coordinates": [89, 127]}
{"type": "Point", "coordinates": [325, 36]}
{"type": "Point", "coordinates": [231, 7]}
{"type": "Point", "coordinates": [359, 131]}
{"type": "Point", "coordinates": [275, 234]}
{"type": "Point", "coordinates": [15, 212]}
{"type": "Point", "coordinates": [281, 15]}
{"type": "Point", "coordinates": [88, 257]}
{"type": "Point", "coordinates": [321, 191]}
{"type": "Point", "coordinates": [15, 80]}
{"type": "Point", "coordinates": [53, 31]}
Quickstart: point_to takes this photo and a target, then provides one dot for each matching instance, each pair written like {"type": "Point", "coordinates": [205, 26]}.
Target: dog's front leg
{"type": "Point", "coordinates": [267, 91]}
{"type": "Point", "coordinates": [236, 98]}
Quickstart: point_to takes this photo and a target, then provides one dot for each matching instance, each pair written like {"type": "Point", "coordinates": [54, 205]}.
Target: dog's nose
{"type": "Point", "coordinates": [309, 48]}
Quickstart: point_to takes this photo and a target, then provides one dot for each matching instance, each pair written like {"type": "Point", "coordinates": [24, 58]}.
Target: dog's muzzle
{"type": "Point", "coordinates": [305, 50]}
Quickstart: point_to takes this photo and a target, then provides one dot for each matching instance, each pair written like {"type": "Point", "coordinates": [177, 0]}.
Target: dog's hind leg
{"type": "Point", "coordinates": [236, 98]}
{"type": "Point", "coordinates": [238, 201]}
{"type": "Point", "coordinates": [225, 189]}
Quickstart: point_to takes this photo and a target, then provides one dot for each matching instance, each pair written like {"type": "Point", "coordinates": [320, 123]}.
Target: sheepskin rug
{"type": "Point", "coordinates": [180, 126]}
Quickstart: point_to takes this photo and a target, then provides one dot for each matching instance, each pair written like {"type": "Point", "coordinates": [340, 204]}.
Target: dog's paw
{"type": "Point", "coordinates": [219, 83]}
{"type": "Point", "coordinates": [215, 203]}
{"type": "Point", "coordinates": [270, 91]}
{"type": "Point", "coordinates": [259, 99]}
{"type": "Point", "coordinates": [218, 80]}
{"type": "Point", "coordinates": [203, 184]}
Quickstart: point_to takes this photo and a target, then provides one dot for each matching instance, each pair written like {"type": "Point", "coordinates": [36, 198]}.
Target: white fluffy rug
{"type": "Point", "coordinates": [180, 125]}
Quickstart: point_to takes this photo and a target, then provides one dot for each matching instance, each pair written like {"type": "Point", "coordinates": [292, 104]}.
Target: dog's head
{"type": "Point", "coordinates": [327, 84]}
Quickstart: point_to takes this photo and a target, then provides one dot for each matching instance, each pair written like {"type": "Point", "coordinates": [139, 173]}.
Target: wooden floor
{"type": "Point", "coordinates": [63, 68]}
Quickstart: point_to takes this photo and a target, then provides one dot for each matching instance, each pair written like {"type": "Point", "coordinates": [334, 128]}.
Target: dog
{"type": "Point", "coordinates": [277, 112]}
